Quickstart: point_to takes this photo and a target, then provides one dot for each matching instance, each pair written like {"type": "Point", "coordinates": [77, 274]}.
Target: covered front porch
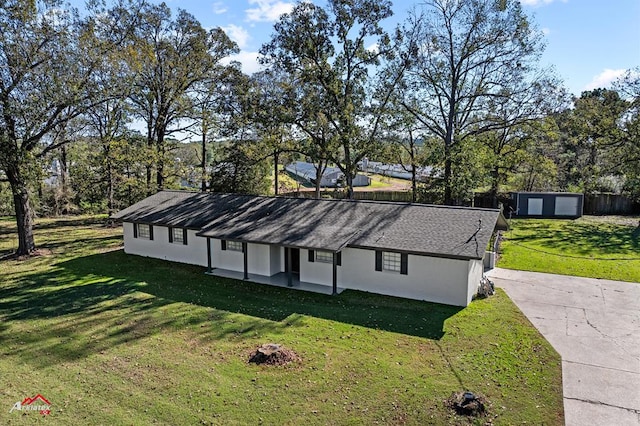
{"type": "Point", "coordinates": [278, 280]}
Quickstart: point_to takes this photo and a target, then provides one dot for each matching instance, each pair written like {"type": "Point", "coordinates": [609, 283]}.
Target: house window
{"type": "Point", "coordinates": [324, 256]}
{"type": "Point", "coordinates": [144, 231]}
{"type": "Point", "coordinates": [234, 245]}
{"type": "Point", "coordinates": [178, 236]}
{"type": "Point", "coordinates": [391, 261]}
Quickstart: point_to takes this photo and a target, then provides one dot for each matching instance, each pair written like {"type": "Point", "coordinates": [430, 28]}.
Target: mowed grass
{"type": "Point", "coordinates": [592, 246]}
{"type": "Point", "coordinates": [110, 338]}
{"type": "Point", "coordinates": [380, 181]}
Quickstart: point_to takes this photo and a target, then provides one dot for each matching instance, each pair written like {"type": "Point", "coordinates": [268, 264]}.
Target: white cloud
{"type": "Point", "coordinates": [219, 8]}
{"type": "Point", "coordinates": [248, 60]}
{"type": "Point", "coordinates": [604, 79]}
{"type": "Point", "coordinates": [267, 10]}
{"type": "Point", "coordinates": [237, 34]}
{"type": "Point", "coordinates": [546, 31]}
{"type": "Point", "coordinates": [536, 3]}
{"type": "Point", "coordinates": [374, 48]}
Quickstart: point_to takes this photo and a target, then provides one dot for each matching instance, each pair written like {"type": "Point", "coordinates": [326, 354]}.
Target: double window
{"type": "Point", "coordinates": [322, 256]}
{"type": "Point", "coordinates": [178, 236]}
{"type": "Point", "coordinates": [231, 245]}
{"type": "Point", "coordinates": [392, 262]}
{"type": "Point", "coordinates": [143, 231]}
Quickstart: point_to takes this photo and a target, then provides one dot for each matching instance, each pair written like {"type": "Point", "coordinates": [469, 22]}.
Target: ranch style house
{"type": "Point", "coordinates": [416, 251]}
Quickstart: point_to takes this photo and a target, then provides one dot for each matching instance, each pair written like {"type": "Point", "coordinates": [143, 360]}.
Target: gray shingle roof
{"type": "Point", "coordinates": [442, 231]}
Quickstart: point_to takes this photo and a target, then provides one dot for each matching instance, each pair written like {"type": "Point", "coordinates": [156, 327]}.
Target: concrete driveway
{"type": "Point", "coordinates": [595, 326]}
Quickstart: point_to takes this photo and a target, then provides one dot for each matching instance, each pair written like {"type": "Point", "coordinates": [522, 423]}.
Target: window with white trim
{"type": "Point", "coordinates": [177, 235]}
{"type": "Point", "coordinates": [391, 261]}
{"type": "Point", "coordinates": [234, 245]}
{"type": "Point", "coordinates": [324, 256]}
{"type": "Point", "coordinates": [144, 231]}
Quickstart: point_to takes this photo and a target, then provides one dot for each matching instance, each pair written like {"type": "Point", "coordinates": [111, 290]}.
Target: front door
{"type": "Point", "coordinates": [295, 260]}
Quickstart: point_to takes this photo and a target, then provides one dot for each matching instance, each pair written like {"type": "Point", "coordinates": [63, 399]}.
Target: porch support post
{"type": "Point", "coordinates": [335, 273]}
{"type": "Point", "coordinates": [246, 260]}
{"type": "Point", "coordinates": [289, 272]}
{"type": "Point", "coordinates": [208, 255]}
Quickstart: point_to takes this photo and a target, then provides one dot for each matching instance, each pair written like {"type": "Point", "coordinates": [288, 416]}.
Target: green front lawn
{"type": "Point", "coordinates": [110, 338]}
{"type": "Point", "coordinates": [592, 246]}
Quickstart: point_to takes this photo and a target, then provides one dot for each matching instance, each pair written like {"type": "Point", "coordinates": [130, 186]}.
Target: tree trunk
{"type": "Point", "coordinates": [110, 188]}
{"type": "Point", "coordinates": [413, 181]}
{"type": "Point", "coordinates": [149, 166]}
{"type": "Point", "coordinates": [495, 184]}
{"type": "Point", "coordinates": [412, 156]}
{"type": "Point", "coordinates": [203, 186]}
{"type": "Point", "coordinates": [448, 198]}
{"type": "Point", "coordinates": [320, 168]}
{"type": "Point", "coordinates": [348, 172]}
{"type": "Point", "coordinates": [275, 171]}
{"type": "Point", "coordinates": [160, 162]}
{"type": "Point", "coordinates": [24, 215]}
{"type": "Point", "coordinates": [63, 202]}
{"type": "Point", "coordinates": [349, 178]}
{"type": "Point", "coordinates": [129, 188]}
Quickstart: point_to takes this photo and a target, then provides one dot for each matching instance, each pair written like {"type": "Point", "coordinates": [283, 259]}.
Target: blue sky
{"type": "Point", "coordinates": [589, 42]}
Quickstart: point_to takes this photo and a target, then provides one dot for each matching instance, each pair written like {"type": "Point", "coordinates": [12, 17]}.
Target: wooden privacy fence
{"type": "Point", "coordinates": [599, 204]}
{"type": "Point", "coordinates": [594, 204]}
{"type": "Point", "coordinates": [398, 196]}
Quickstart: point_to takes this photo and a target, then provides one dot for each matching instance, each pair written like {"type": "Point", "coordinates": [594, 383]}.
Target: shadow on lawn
{"type": "Point", "coordinates": [8, 225]}
{"type": "Point", "coordinates": [581, 238]}
{"type": "Point", "coordinates": [70, 221]}
{"type": "Point", "coordinates": [92, 303]}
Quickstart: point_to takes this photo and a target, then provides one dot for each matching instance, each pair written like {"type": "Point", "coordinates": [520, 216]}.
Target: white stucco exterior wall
{"type": "Point", "coordinates": [429, 278]}
{"type": "Point", "coordinates": [318, 272]}
{"type": "Point", "coordinates": [476, 269]}
{"type": "Point", "coordinates": [448, 281]}
{"type": "Point", "coordinates": [275, 257]}
{"type": "Point", "coordinates": [226, 259]}
{"type": "Point", "coordinates": [194, 252]}
{"type": "Point", "coordinates": [259, 258]}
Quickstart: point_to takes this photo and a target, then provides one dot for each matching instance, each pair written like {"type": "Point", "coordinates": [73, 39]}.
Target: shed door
{"type": "Point", "coordinates": [535, 207]}
{"type": "Point", "coordinates": [566, 206]}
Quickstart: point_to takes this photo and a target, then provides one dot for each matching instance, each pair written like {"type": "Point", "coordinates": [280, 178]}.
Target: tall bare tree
{"type": "Point", "coordinates": [466, 55]}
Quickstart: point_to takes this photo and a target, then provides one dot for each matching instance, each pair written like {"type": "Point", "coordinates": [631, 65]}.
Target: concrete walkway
{"type": "Point", "coordinates": [595, 326]}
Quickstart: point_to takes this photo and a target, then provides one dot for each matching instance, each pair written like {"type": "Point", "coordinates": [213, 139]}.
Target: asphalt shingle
{"type": "Point", "coordinates": [442, 231]}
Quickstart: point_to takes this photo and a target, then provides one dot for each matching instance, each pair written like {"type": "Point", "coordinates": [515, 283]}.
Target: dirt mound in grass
{"type": "Point", "coordinates": [273, 354]}
{"type": "Point", "coordinates": [468, 404]}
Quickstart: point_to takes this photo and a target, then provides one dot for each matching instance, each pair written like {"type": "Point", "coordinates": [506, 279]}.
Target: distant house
{"type": "Point", "coordinates": [423, 252]}
{"type": "Point", "coordinates": [399, 171]}
{"type": "Point", "coordinates": [567, 205]}
{"type": "Point", "coordinates": [331, 178]}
